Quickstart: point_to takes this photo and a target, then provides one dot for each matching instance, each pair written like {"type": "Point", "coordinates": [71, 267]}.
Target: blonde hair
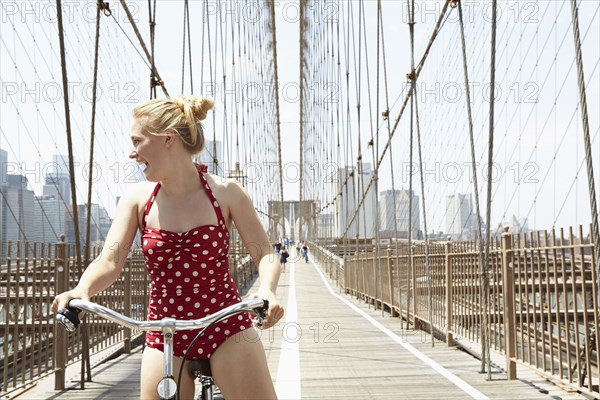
{"type": "Point", "coordinates": [180, 114]}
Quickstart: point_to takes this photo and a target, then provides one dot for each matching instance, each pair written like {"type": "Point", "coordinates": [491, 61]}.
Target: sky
{"type": "Point", "coordinates": [538, 139]}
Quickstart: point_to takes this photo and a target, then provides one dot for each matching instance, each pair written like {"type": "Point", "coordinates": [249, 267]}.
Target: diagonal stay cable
{"type": "Point", "coordinates": [586, 137]}
{"type": "Point", "coordinates": [155, 73]}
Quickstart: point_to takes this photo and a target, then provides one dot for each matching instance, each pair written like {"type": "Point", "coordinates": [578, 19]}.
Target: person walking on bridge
{"type": "Point", "coordinates": [184, 216]}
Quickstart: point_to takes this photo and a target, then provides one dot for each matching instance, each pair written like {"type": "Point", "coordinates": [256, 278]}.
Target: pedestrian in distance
{"type": "Point", "coordinates": [283, 257]}
{"type": "Point", "coordinates": [305, 252]}
{"type": "Point", "coordinates": [185, 216]}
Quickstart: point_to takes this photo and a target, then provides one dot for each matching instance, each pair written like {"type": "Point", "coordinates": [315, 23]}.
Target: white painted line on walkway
{"type": "Point", "coordinates": [287, 384]}
{"type": "Point", "coordinates": [464, 386]}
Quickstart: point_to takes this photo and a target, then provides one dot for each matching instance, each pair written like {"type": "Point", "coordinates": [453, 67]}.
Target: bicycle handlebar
{"type": "Point", "coordinates": [69, 320]}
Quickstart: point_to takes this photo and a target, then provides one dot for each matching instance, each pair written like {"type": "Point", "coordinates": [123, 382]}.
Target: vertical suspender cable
{"type": "Point", "coordinates": [359, 162]}
{"type": "Point", "coordinates": [85, 360]}
{"type": "Point", "coordinates": [65, 83]}
{"type": "Point", "coordinates": [586, 137]}
{"type": "Point", "coordinates": [374, 150]}
{"type": "Point", "coordinates": [426, 235]}
{"type": "Point", "coordinates": [185, 11]}
{"type": "Point", "coordinates": [152, 23]}
{"type": "Point", "coordinates": [386, 115]}
{"type": "Point", "coordinates": [277, 121]}
{"type": "Point", "coordinates": [415, 109]}
{"type": "Point", "coordinates": [303, 24]}
{"type": "Point", "coordinates": [473, 165]}
{"type": "Point", "coordinates": [411, 26]}
{"type": "Point", "coordinates": [485, 358]}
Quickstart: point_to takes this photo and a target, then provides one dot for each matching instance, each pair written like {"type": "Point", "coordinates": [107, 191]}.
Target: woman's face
{"type": "Point", "coordinates": [147, 149]}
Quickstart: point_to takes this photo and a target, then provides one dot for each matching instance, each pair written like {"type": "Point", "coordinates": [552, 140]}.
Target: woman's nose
{"type": "Point", "coordinates": [133, 154]}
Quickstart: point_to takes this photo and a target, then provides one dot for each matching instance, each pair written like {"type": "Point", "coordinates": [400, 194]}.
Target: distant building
{"type": "Point", "coordinates": [514, 224]}
{"type": "Point", "coordinates": [17, 211]}
{"type": "Point", "coordinates": [98, 218]}
{"type": "Point", "coordinates": [50, 219]}
{"type": "Point", "coordinates": [3, 167]}
{"type": "Point", "coordinates": [57, 182]}
{"type": "Point", "coordinates": [400, 199]}
{"type": "Point", "coordinates": [325, 225]}
{"type": "Point", "coordinates": [3, 184]}
{"type": "Point", "coordinates": [461, 221]}
{"type": "Point", "coordinates": [364, 223]}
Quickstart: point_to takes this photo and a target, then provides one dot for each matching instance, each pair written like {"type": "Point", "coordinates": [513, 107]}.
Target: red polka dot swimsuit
{"type": "Point", "coordinates": [189, 279]}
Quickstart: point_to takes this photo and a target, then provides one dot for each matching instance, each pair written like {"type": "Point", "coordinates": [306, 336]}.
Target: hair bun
{"type": "Point", "coordinates": [198, 106]}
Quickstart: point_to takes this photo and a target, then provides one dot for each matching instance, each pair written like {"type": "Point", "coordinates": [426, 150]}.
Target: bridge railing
{"type": "Point", "coordinates": [32, 346]}
{"type": "Point", "coordinates": [542, 300]}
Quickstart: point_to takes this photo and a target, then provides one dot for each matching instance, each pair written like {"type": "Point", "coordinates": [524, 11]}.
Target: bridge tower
{"type": "Point", "coordinates": [297, 217]}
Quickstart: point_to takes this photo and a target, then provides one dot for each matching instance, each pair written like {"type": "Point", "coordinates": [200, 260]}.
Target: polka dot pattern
{"type": "Point", "coordinates": [189, 279]}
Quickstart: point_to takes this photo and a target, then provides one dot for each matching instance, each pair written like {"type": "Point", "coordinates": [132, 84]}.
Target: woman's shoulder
{"type": "Point", "coordinates": [225, 189]}
{"type": "Point", "coordinates": [138, 193]}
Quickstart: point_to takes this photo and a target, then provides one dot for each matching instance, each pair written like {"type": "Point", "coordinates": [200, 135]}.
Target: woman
{"type": "Point", "coordinates": [184, 216]}
{"type": "Point", "coordinates": [284, 255]}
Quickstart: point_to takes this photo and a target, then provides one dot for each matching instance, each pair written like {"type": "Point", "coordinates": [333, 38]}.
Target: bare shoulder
{"type": "Point", "coordinates": [136, 195]}
{"type": "Point", "coordinates": [228, 192]}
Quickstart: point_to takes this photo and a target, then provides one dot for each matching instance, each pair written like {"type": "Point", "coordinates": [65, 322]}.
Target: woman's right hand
{"type": "Point", "coordinates": [61, 301]}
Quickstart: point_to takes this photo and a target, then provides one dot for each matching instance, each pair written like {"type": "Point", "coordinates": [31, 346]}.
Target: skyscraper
{"type": "Point", "coordinates": [17, 210]}
{"type": "Point", "coordinates": [57, 182]}
{"type": "Point", "coordinates": [3, 184]}
{"type": "Point", "coordinates": [49, 219]}
{"type": "Point", "coordinates": [460, 218]}
{"type": "Point", "coordinates": [3, 168]}
{"type": "Point", "coordinates": [386, 213]}
{"type": "Point", "coordinates": [364, 223]}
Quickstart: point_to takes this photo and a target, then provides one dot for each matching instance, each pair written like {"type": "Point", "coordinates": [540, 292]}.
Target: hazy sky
{"type": "Point", "coordinates": [538, 134]}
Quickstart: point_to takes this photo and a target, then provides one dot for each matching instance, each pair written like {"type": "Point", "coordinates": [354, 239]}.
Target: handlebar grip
{"type": "Point", "coordinates": [69, 318]}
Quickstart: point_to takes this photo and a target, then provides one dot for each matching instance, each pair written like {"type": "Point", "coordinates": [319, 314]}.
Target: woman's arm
{"type": "Point", "coordinates": [257, 243]}
{"type": "Point", "coordinates": [106, 268]}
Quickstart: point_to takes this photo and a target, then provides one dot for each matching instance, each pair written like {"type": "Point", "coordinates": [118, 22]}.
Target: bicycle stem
{"type": "Point", "coordinates": [168, 333]}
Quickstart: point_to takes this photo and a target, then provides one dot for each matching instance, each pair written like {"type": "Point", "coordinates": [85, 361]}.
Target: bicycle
{"type": "Point", "coordinates": [167, 387]}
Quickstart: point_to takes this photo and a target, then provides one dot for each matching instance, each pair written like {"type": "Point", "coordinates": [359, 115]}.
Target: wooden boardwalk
{"type": "Point", "coordinates": [335, 347]}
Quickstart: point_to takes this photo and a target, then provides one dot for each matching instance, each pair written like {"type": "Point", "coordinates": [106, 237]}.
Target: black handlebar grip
{"type": "Point", "coordinates": [69, 318]}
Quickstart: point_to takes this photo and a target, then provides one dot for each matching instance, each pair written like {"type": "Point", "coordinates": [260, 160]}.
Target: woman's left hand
{"type": "Point", "coordinates": [275, 309]}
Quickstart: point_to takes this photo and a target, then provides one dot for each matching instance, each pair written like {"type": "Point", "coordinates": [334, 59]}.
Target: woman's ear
{"type": "Point", "coordinates": [170, 137]}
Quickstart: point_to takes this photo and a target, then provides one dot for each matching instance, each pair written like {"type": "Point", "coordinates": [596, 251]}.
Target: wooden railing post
{"type": "Point", "coordinates": [61, 282]}
{"type": "Point", "coordinates": [390, 269]}
{"type": "Point", "coordinates": [449, 307]}
{"type": "Point", "coordinates": [128, 301]}
{"type": "Point", "coordinates": [414, 286]}
{"type": "Point", "coordinates": [508, 294]}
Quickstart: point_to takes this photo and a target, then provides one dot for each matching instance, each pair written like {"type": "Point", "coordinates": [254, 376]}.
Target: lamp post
{"type": "Point", "coordinates": [238, 175]}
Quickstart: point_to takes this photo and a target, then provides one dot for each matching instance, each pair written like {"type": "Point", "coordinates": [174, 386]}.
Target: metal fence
{"type": "Point", "coordinates": [540, 308]}
{"type": "Point", "coordinates": [32, 346]}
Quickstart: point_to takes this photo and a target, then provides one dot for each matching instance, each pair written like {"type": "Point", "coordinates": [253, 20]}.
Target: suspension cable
{"type": "Point", "coordinates": [486, 270]}
{"type": "Point", "coordinates": [403, 107]}
{"type": "Point", "coordinates": [156, 79]}
{"type": "Point", "coordinates": [65, 83]}
{"type": "Point", "coordinates": [484, 343]}
{"type": "Point", "coordinates": [586, 138]}
{"type": "Point", "coordinates": [277, 119]}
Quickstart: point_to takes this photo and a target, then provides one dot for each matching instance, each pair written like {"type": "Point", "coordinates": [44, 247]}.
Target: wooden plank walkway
{"type": "Point", "coordinates": [335, 347]}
